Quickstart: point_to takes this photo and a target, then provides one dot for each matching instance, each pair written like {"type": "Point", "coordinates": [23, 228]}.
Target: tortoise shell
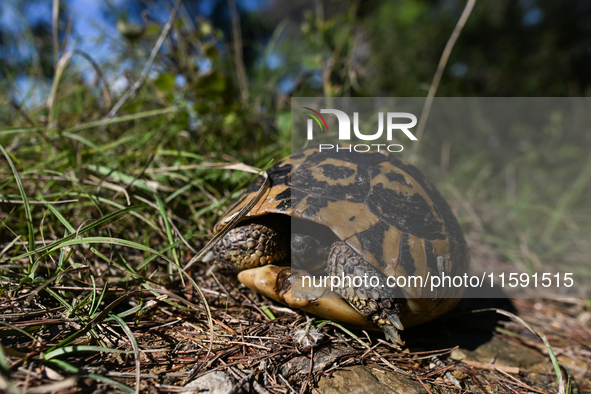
{"type": "Point", "coordinates": [381, 206]}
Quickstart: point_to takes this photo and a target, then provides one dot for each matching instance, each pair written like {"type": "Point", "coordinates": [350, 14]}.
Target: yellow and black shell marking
{"type": "Point", "coordinates": [380, 206]}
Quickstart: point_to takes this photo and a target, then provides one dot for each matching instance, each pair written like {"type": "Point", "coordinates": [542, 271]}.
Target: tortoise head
{"type": "Point", "coordinates": [309, 252]}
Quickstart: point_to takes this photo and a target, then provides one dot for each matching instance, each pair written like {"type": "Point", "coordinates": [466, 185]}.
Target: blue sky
{"type": "Point", "coordinates": [94, 32]}
{"type": "Point", "coordinates": [90, 19]}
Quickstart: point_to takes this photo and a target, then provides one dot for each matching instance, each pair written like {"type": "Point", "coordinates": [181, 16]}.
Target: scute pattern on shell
{"type": "Point", "coordinates": [381, 206]}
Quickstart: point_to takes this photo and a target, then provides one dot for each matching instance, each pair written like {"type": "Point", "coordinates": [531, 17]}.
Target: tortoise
{"type": "Point", "coordinates": [350, 213]}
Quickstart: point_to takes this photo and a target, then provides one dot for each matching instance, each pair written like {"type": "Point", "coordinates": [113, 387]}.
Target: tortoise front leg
{"type": "Point", "coordinates": [248, 246]}
{"type": "Point", "coordinates": [379, 305]}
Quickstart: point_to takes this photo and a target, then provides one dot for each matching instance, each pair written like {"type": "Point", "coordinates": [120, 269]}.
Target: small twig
{"type": "Point", "coordinates": [100, 183]}
{"type": "Point", "coordinates": [240, 214]}
{"type": "Point", "coordinates": [559, 377]}
{"type": "Point", "coordinates": [100, 75]}
{"type": "Point", "coordinates": [531, 389]}
{"type": "Point", "coordinates": [228, 292]}
{"type": "Point", "coordinates": [448, 374]}
{"type": "Point", "coordinates": [493, 367]}
{"type": "Point", "coordinates": [239, 343]}
{"type": "Point", "coordinates": [286, 383]}
{"type": "Point", "coordinates": [59, 386]}
{"type": "Point", "coordinates": [138, 176]}
{"type": "Point", "coordinates": [255, 306]}
{"type": "Point", "coordinates": [244, 379]}
{"type": "Point", "coordinates": [135, 87]}
{"type": "Point", "coordinates": [424, 386]}
{"type": "Point", "coordinates": [439, 73]}
{"type": "Point", "coordinates": [506, 386]}
{"type": "Point", "coordinates": [382, 359]}
{"type": "Point", "coordinates": [255, 385]}
{"type": "Point", "coordinates": [194, 373]}
{"type": "Point", "coordinates": [517, 381]}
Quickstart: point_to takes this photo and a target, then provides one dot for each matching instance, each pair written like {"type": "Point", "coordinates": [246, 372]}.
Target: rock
{"type": "Point", "coordinates": [460, 375]}
{"type": "Point", "coordinates": [216, 382]}
{"type": "Point", "coordinates": [577, 367]}
{"type": "Point", "coordinates": [368, 379]}
{"type": "Point", "coordinates": [457, 354]}
{"type": "Point", "coordinates": [322, 359]}
{"type": "Point", "coordinates": [509, 355]}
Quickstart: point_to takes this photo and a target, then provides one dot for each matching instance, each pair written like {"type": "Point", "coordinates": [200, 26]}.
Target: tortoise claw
{"type": "Point", "coordinates": [393, 335]}
{"type": "Point", "coordinates": [395, 320]}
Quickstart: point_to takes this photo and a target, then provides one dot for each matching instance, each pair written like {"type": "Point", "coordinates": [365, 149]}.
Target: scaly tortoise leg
{"type": "Point", "coordinates": [259, 244]}
{"type": "Point", "coordinates": [379, 305]}
{"type": "Point", "coordinates": [248, 246]}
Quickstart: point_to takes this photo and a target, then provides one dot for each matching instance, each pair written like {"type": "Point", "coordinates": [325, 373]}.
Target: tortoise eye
{"type": "Point", "coordinates": [303, 246]}
{"type": "Point", "coordinates": [298, 240]}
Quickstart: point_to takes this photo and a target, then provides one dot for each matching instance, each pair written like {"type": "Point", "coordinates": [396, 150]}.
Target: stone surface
{"type": "Point", "coordinates": [457, 354]}
{"type": "Point", "coordinates": [322, 359]}
{"type": "Point", "coordinates": [372, 379]}
{"type": "Point", "coordinates": [216, 382]}
{"type": "Point", "coordinates": [577, 367]}
{"type": "Point", "coordinates": [369, 379]}
{"type": "Point", "coordinates": [499, 352]}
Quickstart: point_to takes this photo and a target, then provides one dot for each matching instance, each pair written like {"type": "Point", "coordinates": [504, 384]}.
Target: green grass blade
{"type": "Point", "coordinates": [85, 141]}
{"type": "Point", "coordinates": [209, 316]}
{"type": "Point", "coordinates": [20, 130]}
{"type": "Point", "coordinates": [96, 301]}
{"type": "Point", "coordinates": [169, 236]}
{"type": "Point", "coordinates": [119, 119]}
{"type": "Point", "coordinates": [99, 222]}
{"type": "Point", "coordinates": [555, 364]}
{"type": "Point", "coordinates": [26, 206]}
{"type": "Point", "coordinates": [268, 312]}
{"type": "Point", "coordinates": [25, 333]}
{"type": "Point", "coordinates": [575, 190]}
{"type": "Point", "coordinates": [67, 350]}
{"type": "Point", "coordinates": [72, 369]}
{"type": "Point", "coordinates": [107, 240]}
{"type": "Point", "coordinates": [61, 218]}
{"type": "Point", "coordinates": [5, 374]}
{"type": "Point", "coordinates": [136, 350]}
